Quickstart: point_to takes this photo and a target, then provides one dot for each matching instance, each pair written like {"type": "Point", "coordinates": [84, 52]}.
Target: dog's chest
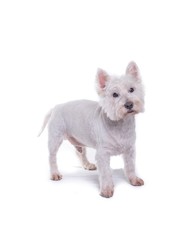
{"type": "Point", "coordinates": [119, 137]}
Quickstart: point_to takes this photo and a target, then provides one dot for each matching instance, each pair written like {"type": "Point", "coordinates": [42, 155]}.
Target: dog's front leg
{"type": "Point", "coordinates": [129, 167]}
{"type": "Point", "coordinates": [105, 174]}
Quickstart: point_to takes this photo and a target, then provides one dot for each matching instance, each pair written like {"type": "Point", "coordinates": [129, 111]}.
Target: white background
{"type": "Point", "coordinates": [49, 53]}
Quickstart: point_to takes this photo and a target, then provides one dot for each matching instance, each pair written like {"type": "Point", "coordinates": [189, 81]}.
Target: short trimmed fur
{"type": "Point", "coordinates": [107, 126]}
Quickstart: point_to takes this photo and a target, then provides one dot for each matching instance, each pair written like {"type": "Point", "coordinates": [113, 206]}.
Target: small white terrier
{"type": "Point", "coordinates": [107, 126]}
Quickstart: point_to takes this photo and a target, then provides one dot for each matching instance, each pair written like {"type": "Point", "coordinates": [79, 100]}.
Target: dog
{"type": "Point", "coordinates": [107, 126]}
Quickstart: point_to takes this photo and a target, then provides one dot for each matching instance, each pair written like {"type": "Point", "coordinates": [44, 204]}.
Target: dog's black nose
{"type": "Point", "coordinates": [128, 105]}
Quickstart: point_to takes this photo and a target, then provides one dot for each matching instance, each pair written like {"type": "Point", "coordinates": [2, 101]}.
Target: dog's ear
{"type": "Point", "coordinates": [101, 80]}
{"type": "Point", "coordinates": [133, 70]}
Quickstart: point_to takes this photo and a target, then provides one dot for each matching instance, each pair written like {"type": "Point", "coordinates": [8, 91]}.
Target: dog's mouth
{"type": "Point", "coordinates": [131, 111]}
{"type": "Point", "coordinates": [126, 112]}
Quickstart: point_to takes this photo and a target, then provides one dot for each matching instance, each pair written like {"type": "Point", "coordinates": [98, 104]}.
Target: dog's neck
{"type": "Point", "coordinates": [116, 124]}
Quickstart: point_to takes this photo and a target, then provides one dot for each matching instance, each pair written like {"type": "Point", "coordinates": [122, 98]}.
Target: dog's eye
{"type": "Point", "coordinates": [131, 90]}
{"type": "Point", "coordinates": [115, 95]}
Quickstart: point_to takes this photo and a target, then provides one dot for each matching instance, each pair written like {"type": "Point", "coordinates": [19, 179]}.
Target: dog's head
{"type": "Point", "coordinates": [121, 96]}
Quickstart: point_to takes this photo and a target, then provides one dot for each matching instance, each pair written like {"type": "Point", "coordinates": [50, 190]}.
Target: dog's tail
{"type": "Point", "coordinates": [46, 119]}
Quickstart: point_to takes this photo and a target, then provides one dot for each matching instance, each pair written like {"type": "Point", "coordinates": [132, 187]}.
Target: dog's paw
{"type": "Point", "coordinates": [90, 166]}
{"type": "Point", "coordinates": [56, 177]}
{"type": "Point", "coordinates": [135, 181]}
{"type": "Point", "coordinates": [107, 192]}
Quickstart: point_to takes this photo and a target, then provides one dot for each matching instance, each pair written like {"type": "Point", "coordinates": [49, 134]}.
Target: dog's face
{"type": "Point", "coordinates": [121, 96]}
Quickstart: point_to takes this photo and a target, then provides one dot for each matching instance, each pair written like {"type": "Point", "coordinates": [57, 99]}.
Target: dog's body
{"type": "Point", "coordinates": [107, 126]}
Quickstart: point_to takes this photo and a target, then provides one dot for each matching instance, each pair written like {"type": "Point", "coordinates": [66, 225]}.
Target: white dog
{"type": "Point", "coordinates": [107, 126]}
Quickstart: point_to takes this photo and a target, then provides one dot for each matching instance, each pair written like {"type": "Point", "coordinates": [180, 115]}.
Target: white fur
{"type": "Point", "coordinates": [107, 126]}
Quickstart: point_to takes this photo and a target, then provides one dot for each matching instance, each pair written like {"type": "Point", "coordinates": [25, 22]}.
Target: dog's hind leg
{"type": "Point", "coordinates": [81, 153]}
{"type": "Point", "coordinates": [53, 145]}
